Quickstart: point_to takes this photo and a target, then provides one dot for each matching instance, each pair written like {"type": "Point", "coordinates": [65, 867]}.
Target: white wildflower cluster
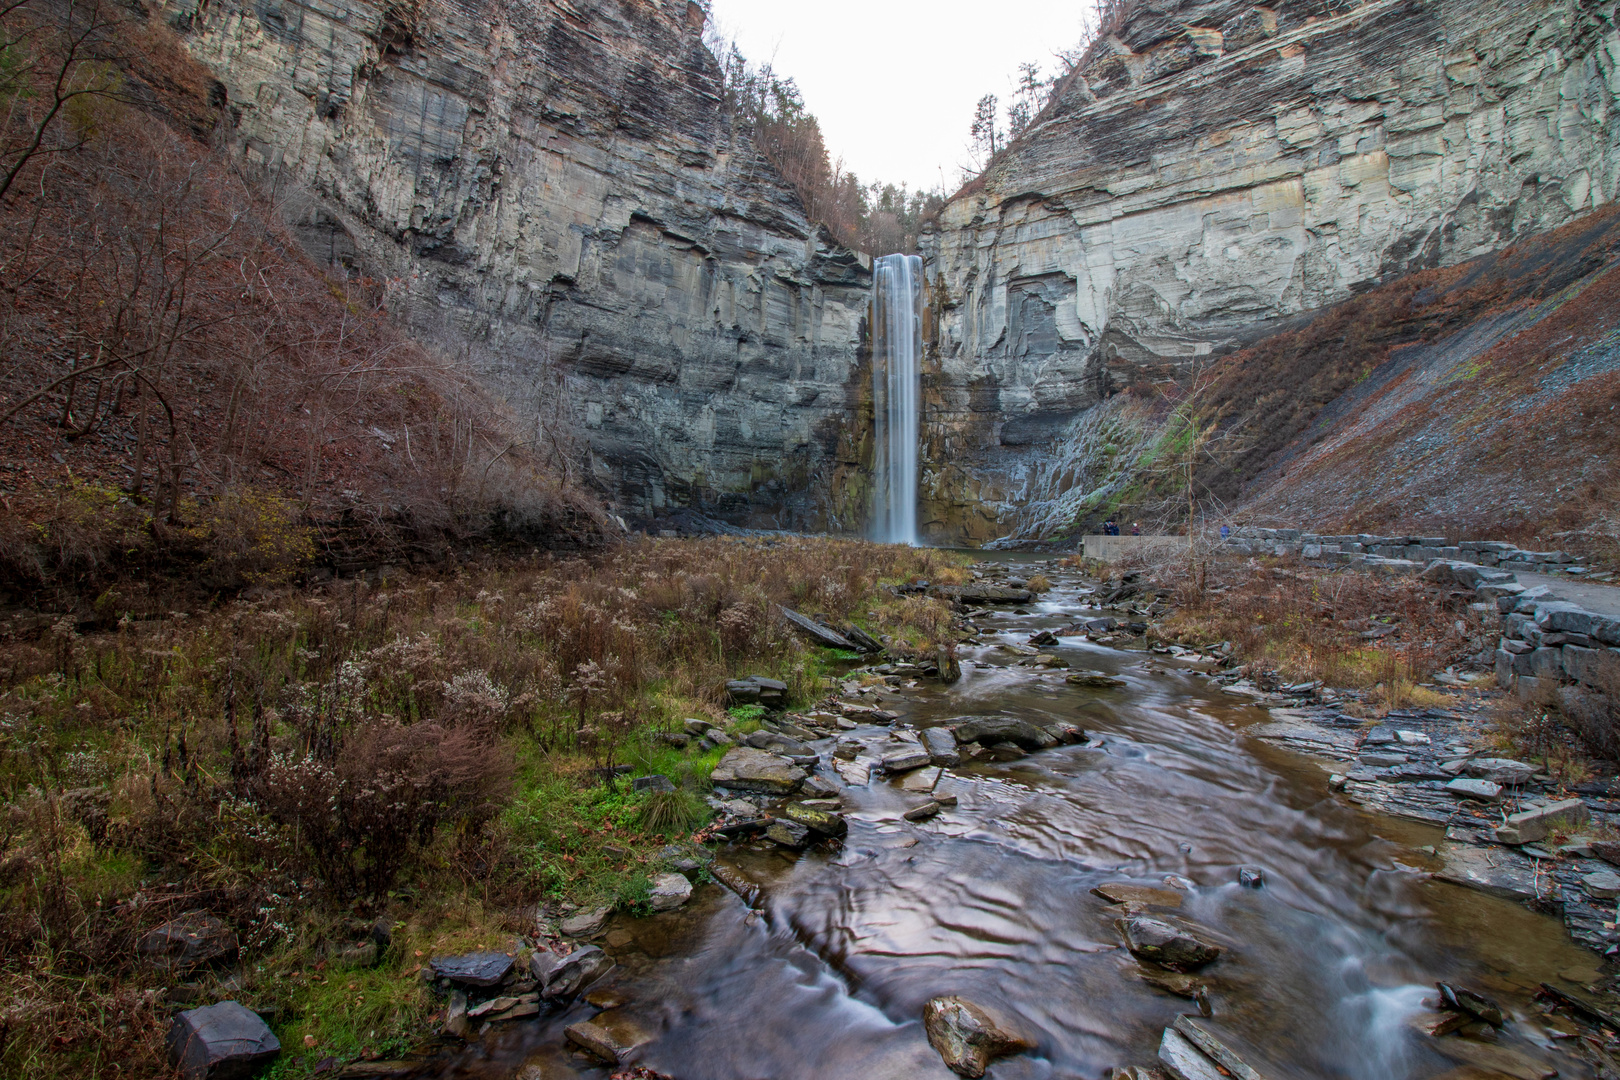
{"type": "Point", "coordinates": [832, 590]}
{"type": "Point", "coordinates": [475, 692]}
{"type": "Point", "coordinates": [350, 683]}
{"type": "Point", "coordinates": [419, 655]}
{"type": "Point", "coordinates": [85, 768]}
{"type": "Point", "coordinates": [538, 617]}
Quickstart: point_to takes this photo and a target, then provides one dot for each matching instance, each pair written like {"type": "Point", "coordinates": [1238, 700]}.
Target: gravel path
{"type": "Point", "coordinates": [1591, 595]}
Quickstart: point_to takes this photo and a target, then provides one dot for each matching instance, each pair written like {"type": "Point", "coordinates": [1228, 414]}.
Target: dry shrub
{"type": "Point", "coordinates": [367, 815]}
{"type": "Point", "coordinates": [251, 536]}
{"type": "Point", "coordinates": [202, 389]}
{"type": "Point", "coordinates": [1311, 624]}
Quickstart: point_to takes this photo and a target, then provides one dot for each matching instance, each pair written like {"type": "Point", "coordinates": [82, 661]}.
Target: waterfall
{"type": "Point", "coordinates": [896, 395]}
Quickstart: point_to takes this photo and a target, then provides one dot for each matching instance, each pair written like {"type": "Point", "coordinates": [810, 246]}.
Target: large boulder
{"type": "Point", "coordinates": [757, 690]}
{"type": "Point", "coordinates": [966, 1036]}
{"type": "Point", "coordinates": [560, 978]}
{"type": "Point", "coordinates": [1166, 945]}
{"type": "Point", "coordinates": [989, 730]}
{"type": "Point", "coordinates": [773, 743]}
{"type": "Point", "coordinates": [669, 891]}
{"type": "Point", "coordinates": [221, 1042]}
{"type": "Point", "coordinates": [908, 757]}
{"type": "Point", "coordinates": [941, 746]}
{"type": "Point", "coordinates": [610, 1036]}
{"type": "Point", "coordinates": [188, 942]}
{"type": "Point", "coordinates": [745, 768]}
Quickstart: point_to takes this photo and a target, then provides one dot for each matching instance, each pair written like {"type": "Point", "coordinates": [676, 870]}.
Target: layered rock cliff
{"type": "Point", "coordinates": [554, 189]}
{"type": "Point", "coordinates": [1213, 170]}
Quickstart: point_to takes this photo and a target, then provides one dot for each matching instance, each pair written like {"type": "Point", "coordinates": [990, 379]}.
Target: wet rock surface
{"type": "Point", "coordinates": [967, 1037]}
{"type": "Point", "coordinates": [1145, 803]}
{"type": "Point", "coordinates": [1167, 945]}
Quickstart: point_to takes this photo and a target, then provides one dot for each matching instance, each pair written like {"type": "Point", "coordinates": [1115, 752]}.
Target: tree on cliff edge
{"type": "Point", "coordinates": [986, 134]}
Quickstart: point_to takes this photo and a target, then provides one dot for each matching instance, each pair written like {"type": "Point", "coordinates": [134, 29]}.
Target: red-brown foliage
{"type": "Point", "coordinates": [163, 337]}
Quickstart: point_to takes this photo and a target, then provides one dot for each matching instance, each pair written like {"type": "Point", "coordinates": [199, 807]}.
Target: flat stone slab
{"type": "Point", "coordinates": [854, 773]}
{"type": "Point", "coordinates": [1602, 885]}
{"type": "Point", "coordinates": [472, 969]}
{"type": "Point", "coordinates": [1475, 789]}
{"type": "Point", "coordinates": [1493, 870]}
{"type": "Point", "coordinates": [1294, 730]}
{"type": "Point", "coordinates": [1186, 1061]}
{"type": "Point", "coordinates": [745, 768]}
{"type": "Point", "coordinates": [905, 759]}
{"type": "Point", "coordinates": [922, 780]}
{"type": "Point", "coordinates": [1123, 892]}
{"type": "Point", "coordinates": [822, 635]}
{"type": "Point", "coordinates": [1214, 1046]}
{"type": "Point", "coordinates": [1533, 825]}
{"type": "Point", "coordinates": [609, 1036]}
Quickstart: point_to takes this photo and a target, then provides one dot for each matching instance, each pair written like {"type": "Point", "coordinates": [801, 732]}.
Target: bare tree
{"type": "Point", "coordinates": [54, 60]}
{"type": "Point", "coordinates": [985, 132]}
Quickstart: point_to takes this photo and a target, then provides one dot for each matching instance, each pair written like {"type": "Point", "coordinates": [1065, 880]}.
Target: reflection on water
{"type": "Point", "coordinates": [1323, 966]}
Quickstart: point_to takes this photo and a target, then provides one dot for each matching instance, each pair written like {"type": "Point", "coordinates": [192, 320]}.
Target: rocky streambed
{"type": "Point", "coordinates": [1080, 859]}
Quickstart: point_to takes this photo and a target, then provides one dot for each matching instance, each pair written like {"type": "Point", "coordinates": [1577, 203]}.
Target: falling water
{"type": "Point", "coordinates": [896, 348]}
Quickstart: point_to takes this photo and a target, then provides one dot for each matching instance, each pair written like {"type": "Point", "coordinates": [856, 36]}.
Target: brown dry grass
{"type": "Point", "coordinates": [429, 747]}
{"type": "Point", "coordinates": [1306, 624]}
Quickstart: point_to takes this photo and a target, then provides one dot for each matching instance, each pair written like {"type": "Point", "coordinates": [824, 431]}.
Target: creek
{"type": "Point", "coordinates": [826, 975]}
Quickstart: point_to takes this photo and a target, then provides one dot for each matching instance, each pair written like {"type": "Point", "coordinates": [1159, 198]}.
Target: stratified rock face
{"type": "Point", "coordinates": [1216, 167]}
{"type": "Point", "coordinates": [555, 187]}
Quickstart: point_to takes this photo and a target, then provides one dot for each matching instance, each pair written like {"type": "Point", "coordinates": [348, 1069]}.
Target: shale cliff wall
{"type": "Point", "coordinates": [1214, 170]}
{"type": "Point", "coordinates": [554, 188]}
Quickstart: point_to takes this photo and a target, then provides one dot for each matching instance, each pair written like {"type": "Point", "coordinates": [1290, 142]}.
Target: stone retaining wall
{"type": "Point", "coordinates": [1545, 639]}
{"type": "Point", "coordinates": [1418, 551]}
{"type": "Point", "coordinates": [1114, 548]}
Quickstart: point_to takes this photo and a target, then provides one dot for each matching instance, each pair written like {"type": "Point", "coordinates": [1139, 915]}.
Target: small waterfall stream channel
{"type": "Point", "coordinates": [818, 964]}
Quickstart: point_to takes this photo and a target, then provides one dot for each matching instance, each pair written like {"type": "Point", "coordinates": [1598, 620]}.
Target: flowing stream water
{"type": "Point", "coordinates": [822, 972]}
{"type": "Point", "coordinates": [896, 391]}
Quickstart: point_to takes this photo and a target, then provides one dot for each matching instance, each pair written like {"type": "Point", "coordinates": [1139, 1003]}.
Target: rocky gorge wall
{"type": "Point", "coordinates": [1212, 171]}
{"type": "Point", "coordinates": [554, 189]}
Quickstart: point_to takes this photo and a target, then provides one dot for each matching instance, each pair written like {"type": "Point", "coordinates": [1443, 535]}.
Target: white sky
{"type": "Point", "coordinates": [894, 82]}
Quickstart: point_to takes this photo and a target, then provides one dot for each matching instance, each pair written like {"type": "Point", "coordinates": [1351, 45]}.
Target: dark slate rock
{"type": "Point", "coordinates": [221, 1042]}
{"type": "Point", "coordinates": [941, 746]}
{"type": "Point", "coordinates": [477, 969]}
{"type": "Point", "coordinates": [188, 942]}
{"type": "Point", "coordinates": [789, 834]}
{"type": "Point", "coordinates": [1162, 943]}
{"type": "Point", "coordinates": [652, 783]}
{"type": "Point", "coordinates": [562, 977]}
{"type": "Point", "coordinates": [822, 635]}
{"type": "Point", "coordinates": [997, 729]}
